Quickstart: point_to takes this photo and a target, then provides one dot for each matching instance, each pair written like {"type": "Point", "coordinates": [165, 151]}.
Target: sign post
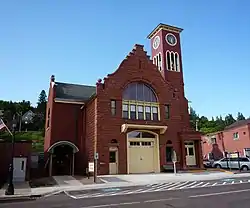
{"type": "Point", "coordinates": [95, 166]}
{"type": "Point", "coordinates": [174, 160]}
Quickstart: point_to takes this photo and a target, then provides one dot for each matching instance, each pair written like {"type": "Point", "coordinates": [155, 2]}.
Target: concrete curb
{"type": "Point", "coordinates": [31, 197]}
{"type": "Point", "coordinates": [17, 198]}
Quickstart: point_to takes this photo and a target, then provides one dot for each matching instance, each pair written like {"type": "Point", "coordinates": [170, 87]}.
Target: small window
{"type": "Point", "coordinates": [112, 156]}
{"type": "Point", "coordinates": [113, 107]}
{"type": "Point", "coordinates": [125, 111]}
{"type": "Point", "coordinates": [236, 136]}
{"type": "Point", "coordinates": [191, 151]}
{"type": "Point", "coordinates": [22, 166]}
{"type": "Point", "coordinates": [244, 159]}
{"type": "Point", "coordinates": [132, 111]}
{"type": "Point", "coordinates": [155, 113]}
{"type": "Point", "coordinates": [140, 112]}
{"type": "Point", "coordinates": [167, 108]}
{"type": "Point", "coordinates": [148, 112]}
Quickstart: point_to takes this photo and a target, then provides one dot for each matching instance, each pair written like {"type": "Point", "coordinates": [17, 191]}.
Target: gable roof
{"type": "Point", "coordinates": [238, 124]}
{"type": "Point", "coordinates": [74, 92]}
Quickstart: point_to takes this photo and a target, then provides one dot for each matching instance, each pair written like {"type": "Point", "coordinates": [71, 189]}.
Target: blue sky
{"type": "Point", "coordinates": [80, 41]}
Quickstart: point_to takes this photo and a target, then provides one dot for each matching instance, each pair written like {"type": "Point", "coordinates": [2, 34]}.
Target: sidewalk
{"type": "Point", "coordinates": [68, 183]}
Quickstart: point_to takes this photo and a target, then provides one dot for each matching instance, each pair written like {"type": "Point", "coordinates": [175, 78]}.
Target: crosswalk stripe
{"type": "Point", "coordinates": [158, 187]}
{"type": "Point", "coordinates": [205, 184]}
{"type": "Point", "coordinates": [196, 185]}
{"type": "Point", "coordinates": [194, 182]}
{"type": "Point", "coordinates": [177, 186]}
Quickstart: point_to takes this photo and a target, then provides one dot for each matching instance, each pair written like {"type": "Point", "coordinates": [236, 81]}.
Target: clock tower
{"type": "Point", "coordinates": [166, 53]}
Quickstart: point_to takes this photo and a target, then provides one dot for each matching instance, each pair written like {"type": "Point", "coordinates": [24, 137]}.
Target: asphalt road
{"type": "Point", "coordinates": [230, 196]}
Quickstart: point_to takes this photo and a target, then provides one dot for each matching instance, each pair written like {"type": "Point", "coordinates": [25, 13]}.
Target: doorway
{"type": "Point", "coordinates": [190, 154]}
{"type": "Point", "coordinates": [113, 160]}
{"type": "Point", "coordinates": [19, 171]}
{"type": "Point", "coordinates": [62, 158]}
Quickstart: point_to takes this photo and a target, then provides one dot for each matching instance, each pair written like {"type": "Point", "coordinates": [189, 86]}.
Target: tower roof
{"type": "Point", "coordinates": [164, 27]}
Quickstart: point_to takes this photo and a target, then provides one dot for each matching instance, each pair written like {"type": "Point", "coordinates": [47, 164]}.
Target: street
{"type": "Point", "coordinates": [224, 196]}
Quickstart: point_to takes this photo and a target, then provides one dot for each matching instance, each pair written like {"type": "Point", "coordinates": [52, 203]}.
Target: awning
{"type": "Point", "coordinates": [125, 127]}
{"type": "Point", "coordinates": [52, 147]}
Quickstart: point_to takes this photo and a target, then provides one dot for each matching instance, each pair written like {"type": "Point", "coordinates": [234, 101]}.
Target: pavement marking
{"type": "Point", "coordinates": [194, 182]}
{"type": "Point", "coordinates": [157, 188]}
{"type": "Point", "coordinates": [220, 193]}
{"type": "Point", "coordinates": [112, 205]}
{"type": "Point", "coordinates": [206, 184]}
{"type": "Point", "coordinates": [167, 199]}
{"type": "Point", "coordinates": [198, 184]}
{"type": "Point", "coordinates": [177, 186]}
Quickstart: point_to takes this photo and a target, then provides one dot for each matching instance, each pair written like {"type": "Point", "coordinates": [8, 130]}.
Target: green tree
{"type": "Point", "coordinates": [229, 119]}
{"type": "Point", "coordinates": [193, 116]}
{"type": "Point", "coordinates": [39, 119]}
{"type": "Point", "coordinates": [42, 102]}
{"type": "Point", "coordinates": [240, 117]}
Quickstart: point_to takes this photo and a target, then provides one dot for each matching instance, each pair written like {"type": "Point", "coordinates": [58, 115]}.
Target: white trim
{"type": "Point", "coordinates": [173, 67]}
{"type": "Point", "coordinates": [174, 38]}
{"type": "Point", "coordinates": [51, 148]}
{"type": "Point", "coordinates": [156, 147]}
{"type": "Point", "coordinates": [158, 44]}
{"type": "Point", "coordinates": [58, 100]}
{"type": "Point", "coordinates": [125, 127]}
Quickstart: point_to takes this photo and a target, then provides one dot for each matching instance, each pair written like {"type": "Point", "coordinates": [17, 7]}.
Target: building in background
{"type": "Point", "coordinates": [134, 118]}
{"type": "Point", "coordinates": [234, 138]}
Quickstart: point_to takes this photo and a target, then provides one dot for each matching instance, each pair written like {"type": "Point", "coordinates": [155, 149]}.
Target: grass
{"type": "Point", "coordinates": [36, 137]}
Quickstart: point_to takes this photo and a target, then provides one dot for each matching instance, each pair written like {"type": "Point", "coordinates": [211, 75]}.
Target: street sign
{"type": "Point", "coordinates": [96, 156]}
{"type": "Point", "coordinates": [174, 159]}
{"type": "Point", "coordinates": [174, 156]}
{"type": "Point", "coordinates": [91, 167]}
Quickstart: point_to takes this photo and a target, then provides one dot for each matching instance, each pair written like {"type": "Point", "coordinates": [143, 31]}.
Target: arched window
{"type": "Point", "coordinates": [172, 61]}
{"type": "Point", "coordinates": [177, 62]}
{"type": "Point", "coordinates": [140, 102]}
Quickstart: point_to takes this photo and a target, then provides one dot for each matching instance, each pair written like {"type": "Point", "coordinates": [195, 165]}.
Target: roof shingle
{"type": "Point", "coordinates": [74, 92]}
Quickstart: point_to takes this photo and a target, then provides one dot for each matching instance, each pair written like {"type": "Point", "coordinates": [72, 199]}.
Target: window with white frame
{"type": "Point", "coordinates": [140, 102]}
{"type": "Point", "coordinates": [157, 60]}
{"type": "Point", "coordinates": [236, 136]}
{"type": "Point", "coordinates": [172, 61]}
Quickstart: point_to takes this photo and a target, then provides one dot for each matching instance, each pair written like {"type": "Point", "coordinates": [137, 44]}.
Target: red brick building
{"type": "Point", "coordinates": [235, 138]}
{"type": "Point", "coordinates": [133, 119]}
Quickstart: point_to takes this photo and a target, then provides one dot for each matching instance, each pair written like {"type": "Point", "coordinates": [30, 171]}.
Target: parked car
{"type": "Point", "coordinates": [208, 163]}
{"type": "Point", "coordinates": [233, 163]}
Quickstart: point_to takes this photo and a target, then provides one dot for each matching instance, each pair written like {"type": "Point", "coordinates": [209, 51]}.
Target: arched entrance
{"type": "Point", "coordinates": [62, 158]}
{"type": "Point", "coordinates": [142, 152]}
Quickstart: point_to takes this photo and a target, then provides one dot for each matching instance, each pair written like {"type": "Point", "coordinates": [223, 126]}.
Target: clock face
{"type": "Point", "coordinates": [156, 42]}
{"type": "Point", "coordinates": [171, 39]}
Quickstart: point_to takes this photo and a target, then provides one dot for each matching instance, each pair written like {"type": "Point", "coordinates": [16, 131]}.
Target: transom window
{"type": "Point", "coordinates": [140, 102]}
{"type": "Point", "coordinates": [140, 134]}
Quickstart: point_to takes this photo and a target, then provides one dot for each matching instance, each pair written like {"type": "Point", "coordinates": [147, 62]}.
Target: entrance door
{"type": "Point", "coordinates": [190, 154]}
{"type": "Point", "coordinates": [19, 172]}
{"type": "Point", "coordinates": [113, 161]}
{"type": "Point", "coordinates": [141, 157]}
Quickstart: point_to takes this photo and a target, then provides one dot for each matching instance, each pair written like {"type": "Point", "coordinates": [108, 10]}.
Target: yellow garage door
{"type": "Point", "coordinates": [141, 157]}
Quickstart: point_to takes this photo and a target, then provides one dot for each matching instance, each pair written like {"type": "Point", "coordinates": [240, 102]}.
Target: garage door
{"type": "Point", "coordinates": [141, 157]}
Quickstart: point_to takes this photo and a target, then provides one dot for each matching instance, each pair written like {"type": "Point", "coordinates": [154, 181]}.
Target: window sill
{"type": "Point", "coordinates": [140, 120]}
